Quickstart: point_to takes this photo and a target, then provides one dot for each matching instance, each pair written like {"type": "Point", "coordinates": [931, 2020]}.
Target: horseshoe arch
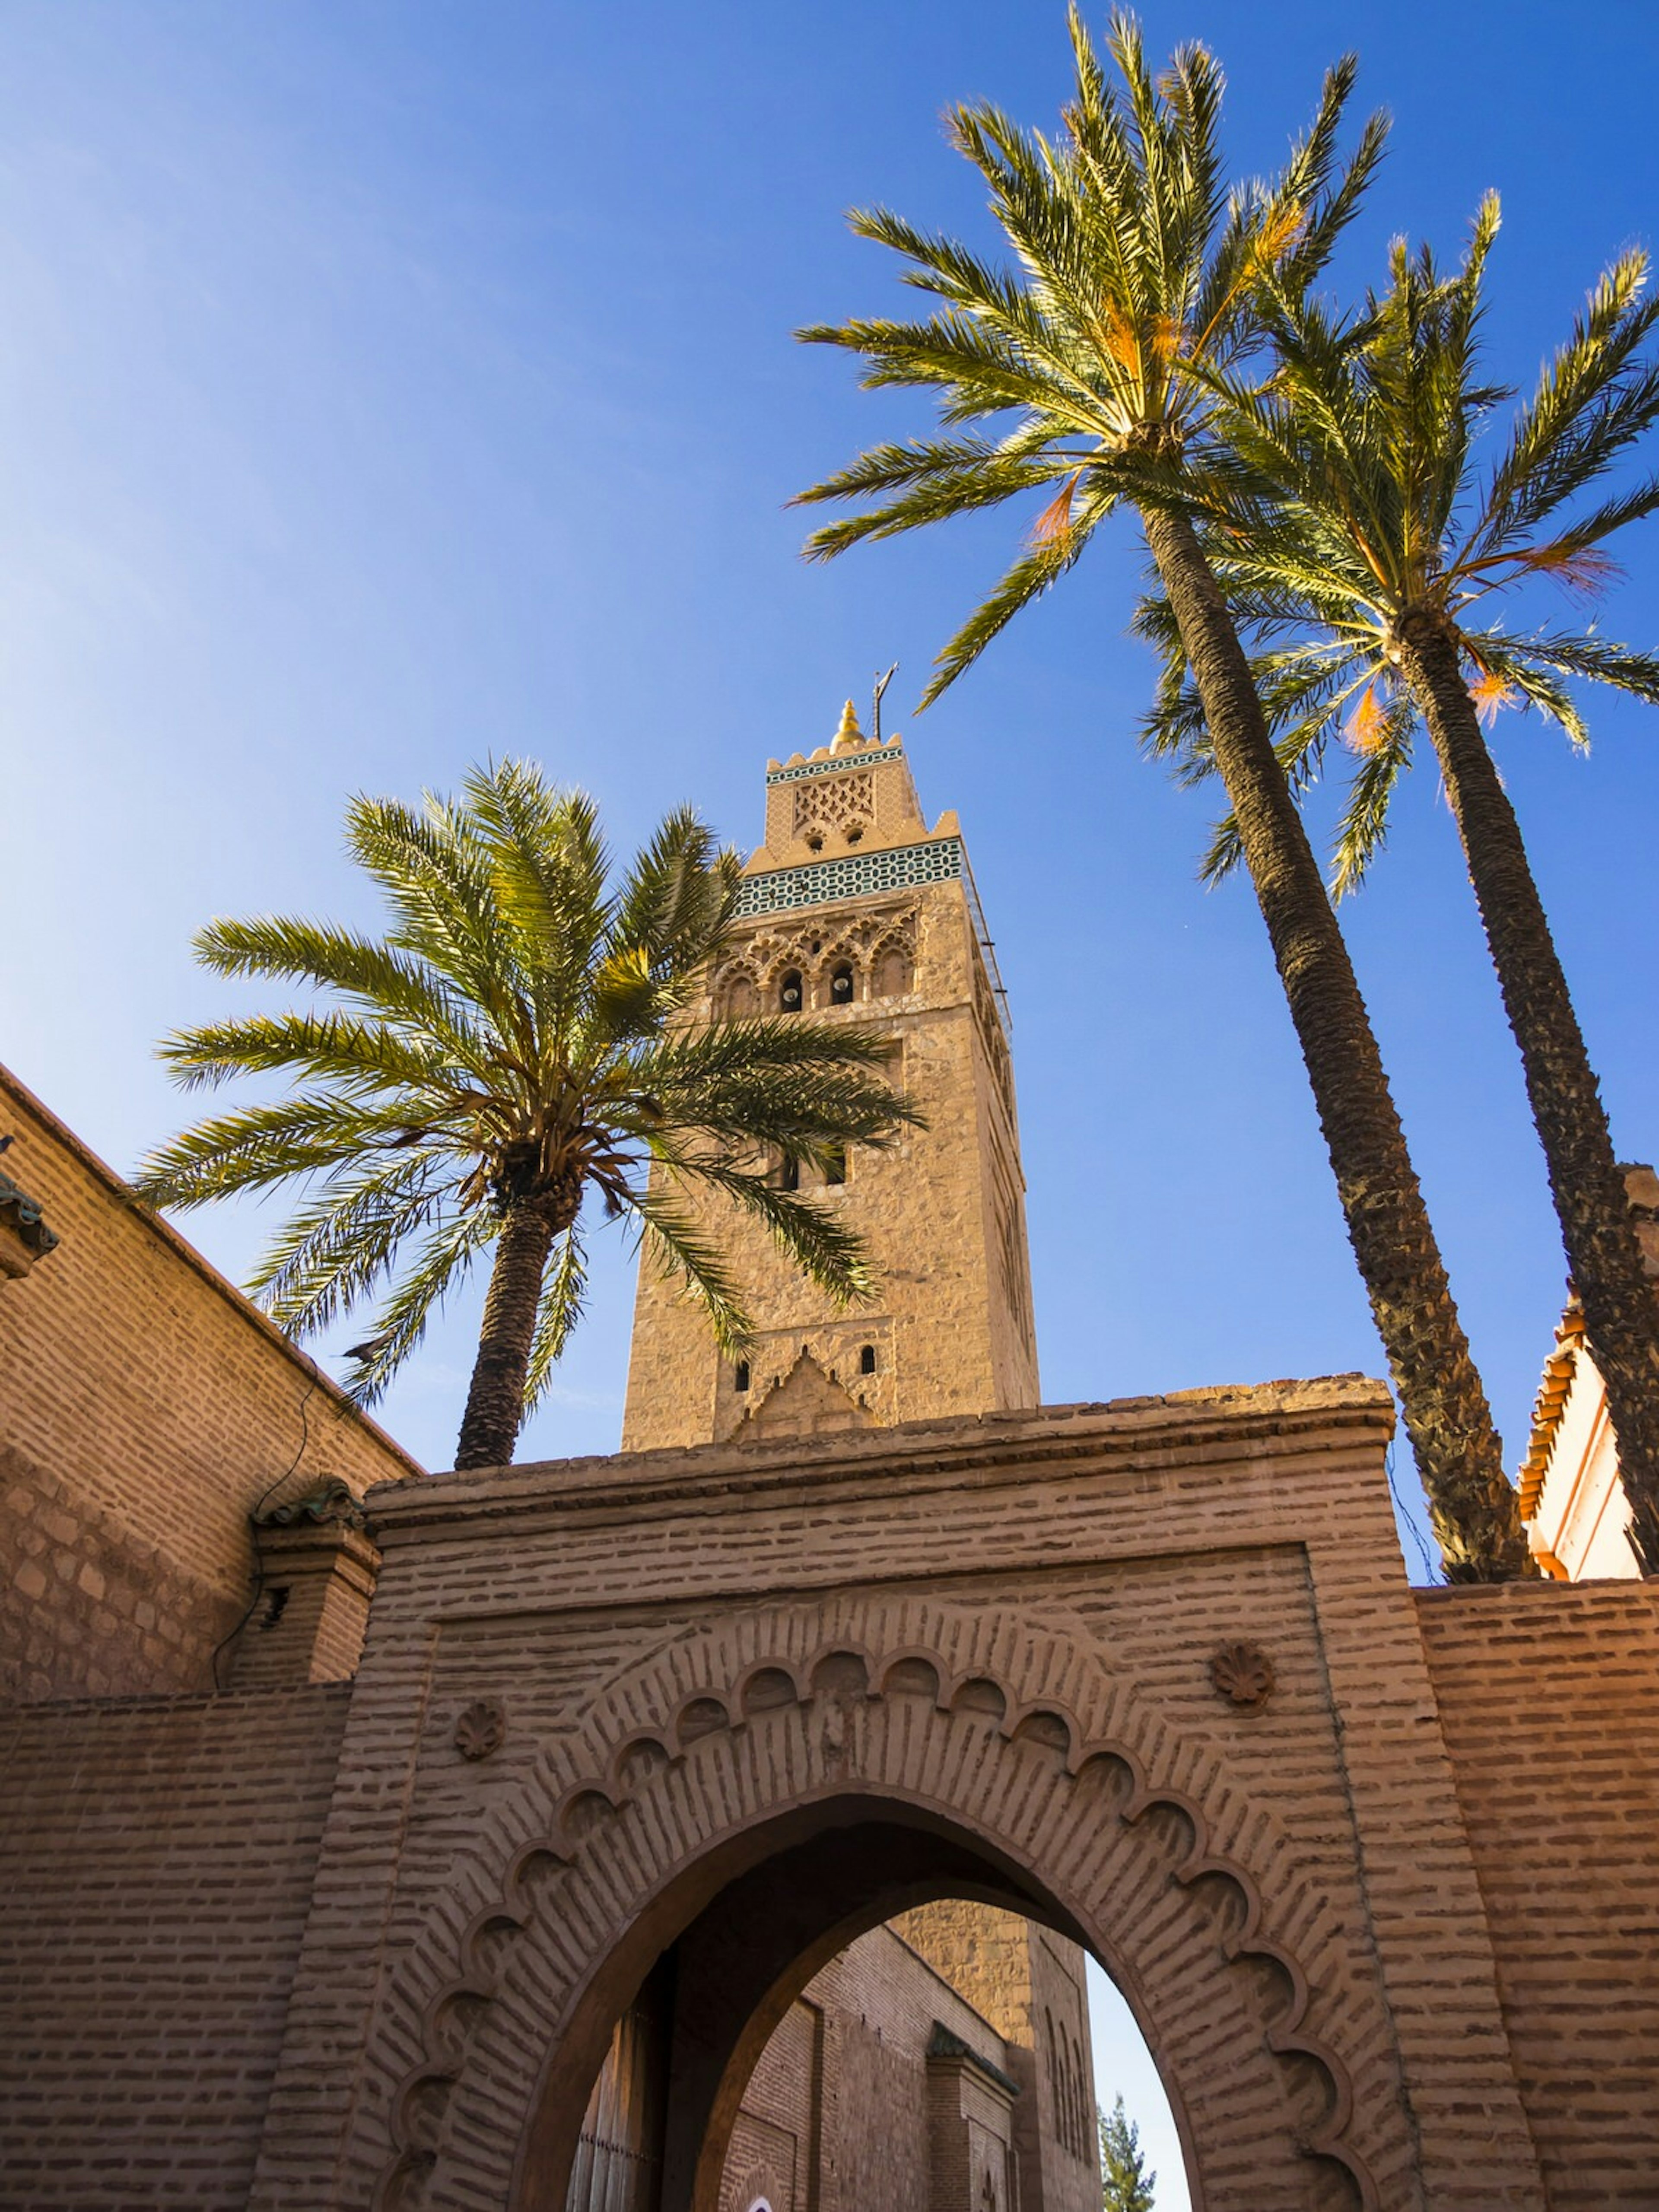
{"type": "Point", "coordinates": [950, 1753]}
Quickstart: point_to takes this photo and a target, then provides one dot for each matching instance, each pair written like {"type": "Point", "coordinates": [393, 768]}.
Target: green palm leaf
{"type": "Point", "coordinates": [515, 1041]}
{"type": "Point", "coordinates": [1375, 542]}
{"type": "Point", "coordinates": [1104, 362]}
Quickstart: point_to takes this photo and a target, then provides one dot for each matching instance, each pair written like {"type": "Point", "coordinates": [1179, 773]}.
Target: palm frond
{"type": "Point", "coordinates": [547, 867]}
{"type": "Point", "coordinates": [813, 1236]}
{"type": "Point", "coordinates": [254, 1148]}
{"type": "Point", "coordinates": [1362, 828]}
{"type": "Point", "coordinates": [436, 877]}
{"type": "Point", "coordinates": [677, 897]}
{"type": "Point", "coordinates": [1037, 571]}
{"type": "Point", "coordinates": [343, 1242]}
{"type": "Point", "coordinates": [1585, 653]}
{"type": "Point", "coordinates": [679, 1243]}
{"type": "Point", "coordinates": [564, 1297]}
{"type": "Point", "coordinates": [382, 980]}
{"type": "Point", "coordinates": [398, 1326]}
{"type": "Point", "coordinates": [362, 1055]}
{"type": "Point", "coordinates": [1592, 400]}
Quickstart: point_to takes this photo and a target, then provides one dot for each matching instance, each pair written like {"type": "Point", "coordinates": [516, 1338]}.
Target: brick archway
{"type": "Point", "coordinates": [1006, 1740]}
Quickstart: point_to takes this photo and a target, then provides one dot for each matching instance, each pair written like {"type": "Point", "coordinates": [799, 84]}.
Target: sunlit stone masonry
{"type": "Point", "coordinates": [854, 911]}
{"type": "Point", "coordinates": [720, 1826]}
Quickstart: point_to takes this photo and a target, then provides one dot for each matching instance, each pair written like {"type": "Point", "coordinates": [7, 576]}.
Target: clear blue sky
{"type": "Point", "coordinates": [386, 384]}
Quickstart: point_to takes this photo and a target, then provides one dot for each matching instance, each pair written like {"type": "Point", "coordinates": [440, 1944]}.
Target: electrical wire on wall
{"type": "Point", "coordinates": [1431, 1572]}
{"type": "Point", "coordinates": [258, 1507]}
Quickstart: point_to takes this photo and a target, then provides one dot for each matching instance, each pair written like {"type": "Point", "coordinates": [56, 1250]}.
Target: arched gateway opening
{"type": "Point", "coordinates": [716, 1997]}
{"type": "Point", "coordinates": [738, 1807]}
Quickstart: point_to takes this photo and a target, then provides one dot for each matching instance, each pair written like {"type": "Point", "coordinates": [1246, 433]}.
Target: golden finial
{"type": "Point", "coordinates": [849, 738]}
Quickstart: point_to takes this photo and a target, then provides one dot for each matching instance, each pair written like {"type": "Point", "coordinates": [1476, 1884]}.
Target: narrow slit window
{"type": "Point", "coordinates": [788, 1174]}
{"type": "Point", "coordinates": [740, 1375]}
{"type": "Point", "coordinates": [867, 1360]}
{"type": "Point", "coordinates": [834, 1164]}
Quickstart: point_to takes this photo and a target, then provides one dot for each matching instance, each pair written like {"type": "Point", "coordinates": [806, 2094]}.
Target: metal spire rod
{"type": "Point", "coordinates": [882, 683]}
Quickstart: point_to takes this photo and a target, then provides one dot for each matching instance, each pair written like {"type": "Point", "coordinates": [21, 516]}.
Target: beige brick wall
{"type": "Point", "coordinates": [1028, 1983]}
{"type": "Point", "coordinates": [776, 2141]}
{"type": "Point", "coordinates": [860, 2031]}
{"type": "Point", "coordinates": [1549, 1698]}
{"type": "Point", "coordinates": [146, 1407]}
{"type": "Point", "coordinates": [156, 1860]}
{"type": "Point", "coordinates": [1419, 1877]}
{"type": "Point", "coordinates": [1286, 1896]}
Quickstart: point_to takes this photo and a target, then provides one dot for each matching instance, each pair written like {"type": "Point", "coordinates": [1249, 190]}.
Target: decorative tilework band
{"type": "Point", "coordinates": [852, 875]}
{"type": "Point", "coordinates": [869, 759]}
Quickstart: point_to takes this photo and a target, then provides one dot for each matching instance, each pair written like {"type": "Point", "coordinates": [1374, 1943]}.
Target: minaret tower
{"type": "Point", "coordinates": [853, 910]}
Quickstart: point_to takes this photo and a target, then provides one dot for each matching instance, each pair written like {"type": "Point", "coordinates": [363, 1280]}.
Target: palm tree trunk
{"type": "Point", "coordinates": [1459, 1453]}
{"type": "Point", "coordinates": [1621, 1307]}
{"type": "Point", "coordinates": [494, 1404]}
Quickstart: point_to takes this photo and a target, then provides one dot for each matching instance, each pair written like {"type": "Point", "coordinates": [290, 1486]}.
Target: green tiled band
{"type": "Point", "coordinates": [841, 761]}
{"type": "Point", "coordinates": [852, 875]}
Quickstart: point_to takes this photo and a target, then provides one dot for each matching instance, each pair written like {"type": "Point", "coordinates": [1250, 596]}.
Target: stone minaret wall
{"type": "Point", "coordinates": [870, 918]}
{"type": "Point", "coordinates": [850, 882]}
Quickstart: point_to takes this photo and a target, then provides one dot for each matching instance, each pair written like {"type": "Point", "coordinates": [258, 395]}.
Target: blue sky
{"type": "Point", "coordinates": [388, 384]}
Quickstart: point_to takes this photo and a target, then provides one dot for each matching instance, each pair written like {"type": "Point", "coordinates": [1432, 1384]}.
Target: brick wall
{"type": "Point", "coordinates": [835, 2115]}
{"type": "Point", "coordinates": [148, 1405]}
{"type": "Point", "coordinates": [1099, 1560]}
{"type": "Point", "coordinates": [1549, 1700]}
{"type": "Point", "coordinates": [774, 2142]}
{"type": "Point", "coordinates": [1029, 1982]}
{"type": "Point", "coordinates": [156, 1861]}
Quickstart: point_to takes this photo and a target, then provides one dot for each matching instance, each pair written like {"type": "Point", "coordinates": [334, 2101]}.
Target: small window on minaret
{"type": "Point", "coordinates": [740, 1375]}
{"type": "Point", "coordinates": [835, 1164]}
{"type": "Point", "coordinates": [788, 1174]}
{"type": "Point", "coordinates": [841, 984]}
{"type": "Point", "coordinates": [789, 992]}
{"type": "Point", "coordinates": [867, 1360]}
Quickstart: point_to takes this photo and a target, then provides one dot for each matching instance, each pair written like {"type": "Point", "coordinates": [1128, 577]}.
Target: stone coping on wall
{"type": "Point", "coordinates": [1009, 1447]}
{"type": "Point", "coordinates": [942, 2045]}
{"type": "Point", "coordinates": [36, 1713]}
{"type": "Point", "coordinates": [17, 1093]}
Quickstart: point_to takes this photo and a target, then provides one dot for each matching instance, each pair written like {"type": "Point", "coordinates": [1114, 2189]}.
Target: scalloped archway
{"type": "Point", "coordinates": [1016, 1767]}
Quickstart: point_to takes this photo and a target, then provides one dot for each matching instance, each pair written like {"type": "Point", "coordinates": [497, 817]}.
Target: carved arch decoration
{"type": "Point", "coordinates": [892, 960]}
{"type": "Point", "coordinates": [843, 805]}
{"type": "Point", "coordinates": [1021, 1737]}
{"type": "Point", "coordinates": [736, 994]}
{"type": "Point", "coordinates": [878, 942]}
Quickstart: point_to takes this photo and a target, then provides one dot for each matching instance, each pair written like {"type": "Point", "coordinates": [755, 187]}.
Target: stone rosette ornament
{"type": "Point", "coordinates": [1243, 1675]}
{"type": "Point", "coordinates": [482, 1729]}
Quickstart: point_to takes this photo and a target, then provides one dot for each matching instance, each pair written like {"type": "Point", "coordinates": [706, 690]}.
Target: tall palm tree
{"type": "Point", "coordinates": [512, 1045]}
{"type": "Point", "coordinates": [1367, 573]}
{"type": "Point", "coordinates": [1131, 292]}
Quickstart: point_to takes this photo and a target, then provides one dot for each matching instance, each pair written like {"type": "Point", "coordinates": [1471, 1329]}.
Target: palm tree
{"type": "Point", "coordinates": [1131, 292]}
{"type": "Point", "coordinates": [514, 1042]}
{"type": "Point", "coordinates": [1375, 557]}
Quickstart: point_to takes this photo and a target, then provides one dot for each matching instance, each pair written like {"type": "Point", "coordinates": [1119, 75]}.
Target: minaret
{"type": "Point", "coordinates": [854, 911]}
